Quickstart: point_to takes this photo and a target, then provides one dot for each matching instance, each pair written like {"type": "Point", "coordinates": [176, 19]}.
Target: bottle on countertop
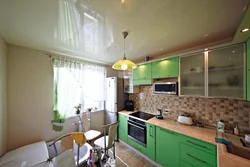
{"type": "Point", "coordinates": [236, 130]}
{"type": "Point", "coordinates": [221, 126]}
{"type": "Point", "coordinates": [220, 129]}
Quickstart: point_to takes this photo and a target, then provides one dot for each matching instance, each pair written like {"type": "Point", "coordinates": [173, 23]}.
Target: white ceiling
{"type": "Point", "coordinates": [91, 29]}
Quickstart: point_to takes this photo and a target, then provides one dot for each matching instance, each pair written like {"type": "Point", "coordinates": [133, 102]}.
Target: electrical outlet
{"type": "Point", "coordinates": [141, 96]}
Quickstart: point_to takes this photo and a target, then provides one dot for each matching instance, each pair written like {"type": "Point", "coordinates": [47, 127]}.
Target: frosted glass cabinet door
{"type": "Point", "coordinates": [192, 75]}
{"type": "Point", "coordinates": [226, 72]}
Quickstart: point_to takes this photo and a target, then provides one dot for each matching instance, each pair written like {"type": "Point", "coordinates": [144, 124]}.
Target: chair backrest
{"type": "Point", "coordinates": [112, 134]}
{"type": "Point", "coordinates": [85, 122]}
{"type": "Point", "coordinates": [66, 143]}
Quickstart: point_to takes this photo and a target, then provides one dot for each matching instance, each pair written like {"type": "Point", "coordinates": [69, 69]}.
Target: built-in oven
{"type": "Point", "coordinates": [137, 131]}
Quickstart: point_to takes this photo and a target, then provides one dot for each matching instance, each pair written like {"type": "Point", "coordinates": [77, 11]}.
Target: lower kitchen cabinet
{"type": "Point", "coordinates": [197, 157]}
{"type": "Point", "coordinates": [150, 150]}
{"type": "Point", "coordinates": [167, 147]}
{"type": "Point", "coordinates": [136, 146]}
{"type": "Point", "coordinates": [123, 127]}
{"type": "Point", "coordinates": [184, 164]}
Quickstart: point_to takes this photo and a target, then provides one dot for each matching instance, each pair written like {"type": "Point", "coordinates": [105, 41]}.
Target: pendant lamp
{"type": "Point", "coordinates": [124, 64]}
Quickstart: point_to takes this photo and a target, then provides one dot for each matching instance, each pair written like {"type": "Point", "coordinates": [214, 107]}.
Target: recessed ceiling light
{"type": "Point", "coordinates": [233, 51]}
{"type": "Point", "coordinates": [245, 30]}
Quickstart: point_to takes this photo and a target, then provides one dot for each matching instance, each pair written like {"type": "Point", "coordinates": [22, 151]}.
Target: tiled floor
{"type": "Point", "coordinates": [130, 158]}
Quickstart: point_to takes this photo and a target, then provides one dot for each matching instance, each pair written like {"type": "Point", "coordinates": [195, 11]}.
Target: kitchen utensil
{"type": "Point", "coordinates": [185, 120]}
{"type": "Point", "coordinates": [161, 111]}
{"type": "Point", "coordinates": [159, 116]}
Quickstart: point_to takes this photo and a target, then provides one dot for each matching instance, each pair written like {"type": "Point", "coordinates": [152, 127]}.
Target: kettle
{"type": "Point", "coordinates": [161, 111]}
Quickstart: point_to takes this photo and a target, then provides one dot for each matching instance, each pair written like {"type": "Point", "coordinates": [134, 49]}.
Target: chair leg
{"type": "Point", "coordinates": [114, 149]}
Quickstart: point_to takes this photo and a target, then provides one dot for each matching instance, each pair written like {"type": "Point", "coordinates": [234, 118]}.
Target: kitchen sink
{"type": "Point", "coordinates": [237, 148]}
{"type": "Point", "coordinates": [241, 151]}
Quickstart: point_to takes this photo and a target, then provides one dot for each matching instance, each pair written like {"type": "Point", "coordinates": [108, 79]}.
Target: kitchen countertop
{"type": "Point", "coordinates": [225, 159]}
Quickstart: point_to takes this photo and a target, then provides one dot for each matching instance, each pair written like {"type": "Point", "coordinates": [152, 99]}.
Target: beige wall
{"type": "Point", "coordinates": [3, 105]}
{"type": "Point", "coordinates": [30, 98]}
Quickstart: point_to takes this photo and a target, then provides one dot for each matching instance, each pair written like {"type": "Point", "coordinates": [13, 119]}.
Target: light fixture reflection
{"type": "Point", "coordinates": [245, 30]}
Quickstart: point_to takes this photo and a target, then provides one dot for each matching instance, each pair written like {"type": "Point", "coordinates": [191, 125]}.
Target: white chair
{"type": "Point", "coordinates": [89, 134]}
{"type": "Point", "coordinates": [108, 141]}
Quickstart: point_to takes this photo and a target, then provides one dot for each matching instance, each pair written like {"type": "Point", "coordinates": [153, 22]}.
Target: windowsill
{"type": "Point", "coordinates": [93, 111]}
{"type": "Point", "coordinates": [96, 111]}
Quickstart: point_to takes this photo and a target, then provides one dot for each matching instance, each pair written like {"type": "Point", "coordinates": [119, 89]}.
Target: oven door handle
{"type": "Point", "coordinates": [136, 126]}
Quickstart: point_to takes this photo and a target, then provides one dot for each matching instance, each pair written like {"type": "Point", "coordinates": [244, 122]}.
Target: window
{"type": "Point", "coordinates": [77, 83]}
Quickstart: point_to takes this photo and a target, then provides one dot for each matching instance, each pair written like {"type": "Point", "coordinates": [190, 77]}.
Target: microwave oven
{"type": "Point", "coordinates": [170, 88]}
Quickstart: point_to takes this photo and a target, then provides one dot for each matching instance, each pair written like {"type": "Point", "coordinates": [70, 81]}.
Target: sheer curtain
{"type": "Point", "coordinates": [76, 83]}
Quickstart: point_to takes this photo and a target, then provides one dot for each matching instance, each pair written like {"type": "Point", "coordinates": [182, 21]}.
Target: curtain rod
{"type": "Point", "coordinates": [75, 59]}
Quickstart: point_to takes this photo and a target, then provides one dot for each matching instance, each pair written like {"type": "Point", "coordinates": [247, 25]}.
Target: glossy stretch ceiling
{"type": "Point", "coordinates": [91, 29]}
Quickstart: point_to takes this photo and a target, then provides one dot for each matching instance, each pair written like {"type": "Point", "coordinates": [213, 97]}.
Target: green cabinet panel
{"type": "Point", "coordinates": [143, 82]}
{"type": "Point", "coordinates": [204, 146]}
{"type": "Point", "coordinates": [142, 74]}
{"type": "Point", "coordinates": [123, 128]}
{"type": "Point", "coordinates": [197, 157]}
{"type": "Point", "coordinates": [185, 164]}
{"type": "Point", "coordinates": [150, 150]}
{"type": "Point", "coordinates": [166, 68]}
{"type": "Point", "coordinates": [167, 147]}
{"type": "Point", "coordinates": [136, 146]}
{"type": "Point", "coordinates": [248, 69]}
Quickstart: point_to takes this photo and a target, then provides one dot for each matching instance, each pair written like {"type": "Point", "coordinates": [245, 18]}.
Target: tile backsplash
{"type": "Point", "coordinates": [207, 110]}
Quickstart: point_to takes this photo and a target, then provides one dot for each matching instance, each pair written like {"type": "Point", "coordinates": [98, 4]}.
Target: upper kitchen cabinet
{"type": "Point", "coordinates": [142, 74]}
{"type": "Point", "coordinates": [248, 69]}
{"type": "Point", "coordinates": [129, 86]}
{"type": "Point", "coordinates": [166, 68]}
{"type": "Point", "coordinates": [226, 72]}
{"type": "Point", "coordinates": [192, 75]}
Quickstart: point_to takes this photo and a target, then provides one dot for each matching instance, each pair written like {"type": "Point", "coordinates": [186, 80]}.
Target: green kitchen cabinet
{"type": "Point", "coordinates": [167, 147]}
{"type": "Point", "coordinates": [248, 69]}
{"type": "Point", "coordinates": [136, 146]}
{"type": "Point", "coordinates": [197, 157]}
{"type": "Point", "coordinates": [197, 153]}
{"type": "Point", "coordinates": [150, 150]}
{"type": "Point", "coordinates": [142, 74]}
{"type": "Point", "coordinates": [185, 164]}
{"type": "Point", "coordinates": [166, 68]}
{"type": "Point", "coordinates": [123, 128]}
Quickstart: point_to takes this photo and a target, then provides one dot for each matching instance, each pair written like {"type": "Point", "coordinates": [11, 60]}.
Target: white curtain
{"type": "Point", "coordinates": [76, 83]}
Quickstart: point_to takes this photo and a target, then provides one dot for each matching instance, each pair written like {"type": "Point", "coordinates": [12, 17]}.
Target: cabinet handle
{"type": "Point", "coordinates": [196, 144]}
{"type": "Point", "coordinates": [151, 131]}
{"type": "Point", "coordinates": [196, 158]}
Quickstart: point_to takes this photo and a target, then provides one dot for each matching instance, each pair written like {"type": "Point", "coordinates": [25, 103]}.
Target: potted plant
{"type": "Point", "coordinates": [78, 108]}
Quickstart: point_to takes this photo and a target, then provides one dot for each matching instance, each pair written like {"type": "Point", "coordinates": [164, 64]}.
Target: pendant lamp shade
{"type": "Point", "coordinates": [124, 64]}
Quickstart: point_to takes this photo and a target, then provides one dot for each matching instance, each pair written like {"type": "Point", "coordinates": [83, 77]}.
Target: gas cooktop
{"type": "Point", "coordinates": [142, 115]}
